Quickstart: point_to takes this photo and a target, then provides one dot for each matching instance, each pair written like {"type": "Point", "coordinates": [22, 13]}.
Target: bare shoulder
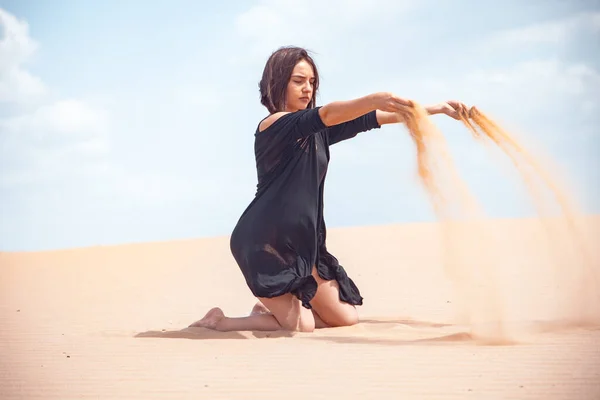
{"type": "Point", "coordinates": [267, 122]}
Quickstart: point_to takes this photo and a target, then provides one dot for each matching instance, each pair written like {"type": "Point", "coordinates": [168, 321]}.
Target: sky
{"type": "Point", "coordinates": [125, 122]}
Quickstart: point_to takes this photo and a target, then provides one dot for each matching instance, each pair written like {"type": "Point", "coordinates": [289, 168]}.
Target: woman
{"type": "Point", "coordinates": [279, 240]}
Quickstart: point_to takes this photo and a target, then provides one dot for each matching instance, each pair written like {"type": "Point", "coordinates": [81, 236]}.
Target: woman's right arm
{"type": "Point", "coordinates": [338, 112]}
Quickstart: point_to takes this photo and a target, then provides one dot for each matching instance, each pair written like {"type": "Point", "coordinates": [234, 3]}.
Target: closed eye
{"type": "Point", "coordinates": [299, 79]}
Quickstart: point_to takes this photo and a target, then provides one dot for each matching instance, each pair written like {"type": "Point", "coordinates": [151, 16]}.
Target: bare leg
{"type": "Point", "coordinates": [319, 323]}
{"type": "Point", "coordinates": [215, 319]}
{"type": "Point", "coordinates": [329, 307]}
{"type": "Point", "coordinates": [259, 308]}
{"type": "Point", "coordinates": [287, 313]}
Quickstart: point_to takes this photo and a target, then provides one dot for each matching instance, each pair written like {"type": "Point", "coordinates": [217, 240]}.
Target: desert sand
{"type": "Point", "coordinates": [110, 323]}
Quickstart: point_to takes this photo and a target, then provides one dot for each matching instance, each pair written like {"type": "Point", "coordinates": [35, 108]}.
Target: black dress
{"type": "Point", "coordinates": [281, 234]}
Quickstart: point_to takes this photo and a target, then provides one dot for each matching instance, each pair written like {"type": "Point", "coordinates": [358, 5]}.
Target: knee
{"type": "Point", "coordinates": [348, 318]}
{"type": "Point", "coordinates": [306, 326]}
{"type": "Point", "coordinates": [351, 319]}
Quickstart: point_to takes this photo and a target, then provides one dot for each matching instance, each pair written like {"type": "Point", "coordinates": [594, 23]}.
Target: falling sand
{"type": "Point", "coordinates": [496, 312]}
{"type": "Point", "coordinates": [582, 302]}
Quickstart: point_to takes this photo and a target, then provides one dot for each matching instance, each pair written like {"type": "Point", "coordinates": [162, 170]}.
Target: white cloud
{"type": "Point", "coordinates": [511, 71]}
{"type": "Point", "coordinates": [63, 145]}
{"type": "Point", "coordinates": [556, 32]}
{"type": "Point", "coordinates": [63, 120]}
{"type": "Point", "coordinates": [535, 84]}
{"type": "Point", "coordinates": [41, 139]}
{"type": "Point", "coordinates": [311, 23]}
{"type": "Point", "coordinates": [55, 141]}
{"type": "Point", "coordinates": [20, 86]}
{"type": "Point", "coordinates": [540, 80]}
{"type": "Point", "coordinates": [17, 47]}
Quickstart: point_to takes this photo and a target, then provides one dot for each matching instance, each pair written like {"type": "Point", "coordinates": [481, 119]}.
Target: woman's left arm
{"type": "Point", "coordinates": [377, 118]}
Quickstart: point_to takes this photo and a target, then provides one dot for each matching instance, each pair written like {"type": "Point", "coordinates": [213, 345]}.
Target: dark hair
{"type": "Point", "coordinates": [276, 76]}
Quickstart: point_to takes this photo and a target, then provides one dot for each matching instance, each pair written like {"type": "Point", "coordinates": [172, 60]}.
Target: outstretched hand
{"type": "Point", "coordinates": [455, 109]}
{"type": "Point", "coordinates": [389, 102]}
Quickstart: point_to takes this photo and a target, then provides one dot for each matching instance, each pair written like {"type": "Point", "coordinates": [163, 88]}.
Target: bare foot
{"type": "Point", "coordinates": [210, 320]}
{"type": "Point", "coordinates": [259, 308]}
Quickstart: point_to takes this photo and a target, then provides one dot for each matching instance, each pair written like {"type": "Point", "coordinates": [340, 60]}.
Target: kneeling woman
{"type": "Point", "coordinates": [279, 241]}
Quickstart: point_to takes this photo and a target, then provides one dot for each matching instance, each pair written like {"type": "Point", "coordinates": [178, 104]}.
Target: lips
{"type": "Point", "coordinates": [304, 98]}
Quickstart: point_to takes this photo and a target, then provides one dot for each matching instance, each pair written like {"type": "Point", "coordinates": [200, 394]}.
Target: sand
{"type": "Point", "coordinates": [472, 255]}
{"type": "Point", "coordinates": [110, 323]}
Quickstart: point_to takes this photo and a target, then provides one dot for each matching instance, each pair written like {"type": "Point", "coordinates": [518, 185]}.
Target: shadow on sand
{"type": "Point", "coordinates": [208, 334]}
{"type": "Point", "coordinates": [408, 322]}
{"type": "Point", "coordinates": [349, 335]}
{"type": "Point", "coordinates": [445, 339]}
{"type": "Point", "coordinates": [323, 334]}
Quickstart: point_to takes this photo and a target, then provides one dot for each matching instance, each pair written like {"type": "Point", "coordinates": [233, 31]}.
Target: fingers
{"type": "Point", "coordinates": [461, 109]}
{"type": "Point", "coordinates": [404, 115]}
{"type": "Point", "coordinates": [398, 104]}
{"type": "Point", "coordinates": [472, 111]}
{"type": "Point", "coordinates": [451, 111]}
{"type": "Point", "coordinates": [403, 102]}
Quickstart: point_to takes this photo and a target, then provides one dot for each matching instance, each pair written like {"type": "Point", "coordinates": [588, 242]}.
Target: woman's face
{"type": "Point", "coordinates": [300, 87]}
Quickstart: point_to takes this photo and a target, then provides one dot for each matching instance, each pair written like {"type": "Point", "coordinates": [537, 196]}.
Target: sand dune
{"type": "Point", "coordinates": [110, 323]}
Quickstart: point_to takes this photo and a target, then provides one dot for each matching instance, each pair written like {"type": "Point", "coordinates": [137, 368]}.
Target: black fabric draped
{"type": "Point", "coordinates": [281, 235]}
